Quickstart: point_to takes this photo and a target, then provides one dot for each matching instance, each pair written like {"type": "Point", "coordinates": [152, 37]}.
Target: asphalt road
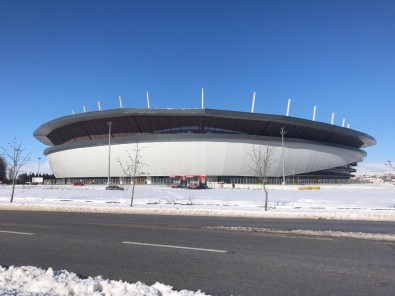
{"type": "Point", "coordinates": [182, 252]}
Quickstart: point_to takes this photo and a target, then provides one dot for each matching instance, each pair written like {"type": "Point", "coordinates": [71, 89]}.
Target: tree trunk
{"type": "Point", "coordinates": [12, 192]}
{"type": "Point", "coordinates": [266, 197]}
{"type": "Point", "coordinates": [131, 200]}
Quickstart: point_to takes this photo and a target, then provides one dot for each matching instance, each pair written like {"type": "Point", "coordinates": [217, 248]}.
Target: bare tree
{"type": "Point", "coordinates": [262, 159]}
{"type": "Point", "coordinates": [15, 158]}
{"type": "Point", "coordinates": [133, 165]}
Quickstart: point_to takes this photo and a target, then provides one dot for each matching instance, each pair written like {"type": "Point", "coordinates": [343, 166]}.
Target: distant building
{"type": "Point", "coordinates": [213, 143]}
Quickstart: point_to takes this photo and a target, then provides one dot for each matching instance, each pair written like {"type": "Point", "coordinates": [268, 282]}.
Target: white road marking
{"type": "Point", "coordinates": [175, 247]}
{"type": "Point", "coordinates": [15, 232]}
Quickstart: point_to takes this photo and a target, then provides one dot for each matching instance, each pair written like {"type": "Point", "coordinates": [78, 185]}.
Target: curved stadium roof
{"type": "Point", "coordinates": [127, 122]}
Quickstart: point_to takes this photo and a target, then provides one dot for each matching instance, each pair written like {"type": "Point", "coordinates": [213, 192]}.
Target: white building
{"type": "Point", "coordinates": [213, 143]}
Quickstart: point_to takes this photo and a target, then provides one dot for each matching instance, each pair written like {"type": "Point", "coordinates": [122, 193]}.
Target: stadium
{"type": "Point", "coordinates": [216, 144]}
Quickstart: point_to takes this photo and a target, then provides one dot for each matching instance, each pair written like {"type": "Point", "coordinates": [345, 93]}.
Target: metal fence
{"type": "Point", "coordinates": [217, 180]}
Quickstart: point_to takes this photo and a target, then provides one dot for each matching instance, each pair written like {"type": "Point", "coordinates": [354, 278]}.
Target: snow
{"type": "Point", "coordinates": [353, 202]}
{"type": "Point", "coordinates": [327, 233]}
{"type": "Point", "coordinates": [29, 280]}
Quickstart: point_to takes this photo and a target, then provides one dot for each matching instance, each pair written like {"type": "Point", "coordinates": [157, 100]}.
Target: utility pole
{"type": "Point", "coordinates": [109, 123]}
{"type": "Point", "coordinates": [283, 132]}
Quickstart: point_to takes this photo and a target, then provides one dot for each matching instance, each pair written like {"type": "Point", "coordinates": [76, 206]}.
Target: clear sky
{"type": "Point", "coordinates": [56, 56]}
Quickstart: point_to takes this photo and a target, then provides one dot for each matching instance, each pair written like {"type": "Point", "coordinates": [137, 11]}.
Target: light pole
{"type": "Point", "coordinates": [109, 123]}
{"type": "Point", "coordinates": [283, 132]}
{"type": "Point", "coordinates": [293, 176]}
{"type": "Point", "coordinates": [385, 172]}
{"type": "Point", "coordinates": [38, 172]}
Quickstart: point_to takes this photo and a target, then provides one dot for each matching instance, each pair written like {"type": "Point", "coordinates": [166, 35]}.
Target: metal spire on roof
{"type": "Point", "coordinates": [202, 98]}
{"type": "Point", "coordinates": [314, 112]}
{"type": "Point", "coordinates": [148, 102]}
{"type": "Point", "coordinates": [253, 102]}
{"type": "Point", "coordinates": [288, 107]}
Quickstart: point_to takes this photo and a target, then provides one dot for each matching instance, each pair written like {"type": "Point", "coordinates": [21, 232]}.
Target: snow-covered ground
{"type": "Point", "coordinates": [361, 202]}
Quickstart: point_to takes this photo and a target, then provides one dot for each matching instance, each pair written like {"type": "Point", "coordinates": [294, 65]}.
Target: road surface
{"type": "Point", "coordinates": [182, 252]}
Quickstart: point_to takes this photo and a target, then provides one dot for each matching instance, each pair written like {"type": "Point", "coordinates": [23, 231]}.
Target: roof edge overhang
{"type": "Point", "coordinates": [45, 129]}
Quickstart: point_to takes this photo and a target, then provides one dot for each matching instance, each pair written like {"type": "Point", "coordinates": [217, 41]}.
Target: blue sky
{"type": "Point", "coordinates": [56, 56]}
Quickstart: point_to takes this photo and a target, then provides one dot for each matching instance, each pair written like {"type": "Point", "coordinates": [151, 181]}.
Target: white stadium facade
{"type": "Point", "coordinates": [205, 142]}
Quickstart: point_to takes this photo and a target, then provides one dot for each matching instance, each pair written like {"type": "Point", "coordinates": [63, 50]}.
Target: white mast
{"type": "Point", "coordinates": [333, 118]}
{"type": "Point", "coordinates": [84, 108]}
{"type": "Point", "coordinates": [99, 105]}
{"type": "Point", "coordinates": [202, 98]}
{"type": "Point", "coordinates": [344, 121]}
{"type": "Point", "coordinates": [253, 102]}
{"type": "Point", "coordinates": [120, 102]}
{"type": "Point", "coordinates": [148, 104]}
{"type": "Point", "coordinates": [288, 107]}
{"type": "Point", "coordinates": [314, 112]}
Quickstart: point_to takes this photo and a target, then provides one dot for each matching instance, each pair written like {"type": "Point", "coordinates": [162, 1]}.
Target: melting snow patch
{"type": "Point", "coordinates": [344, 234]}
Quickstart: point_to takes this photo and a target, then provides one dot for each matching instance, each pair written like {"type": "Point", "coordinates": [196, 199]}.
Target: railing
{"type": "Point", "coordinates": [214, 180]}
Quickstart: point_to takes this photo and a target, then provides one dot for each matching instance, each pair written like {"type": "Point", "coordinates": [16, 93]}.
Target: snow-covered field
{"type": "Point", "coordinates": [360, 202]}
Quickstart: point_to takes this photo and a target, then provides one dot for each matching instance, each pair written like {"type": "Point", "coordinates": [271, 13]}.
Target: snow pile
{"type": "Point", "coordinates": [29, 280]}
